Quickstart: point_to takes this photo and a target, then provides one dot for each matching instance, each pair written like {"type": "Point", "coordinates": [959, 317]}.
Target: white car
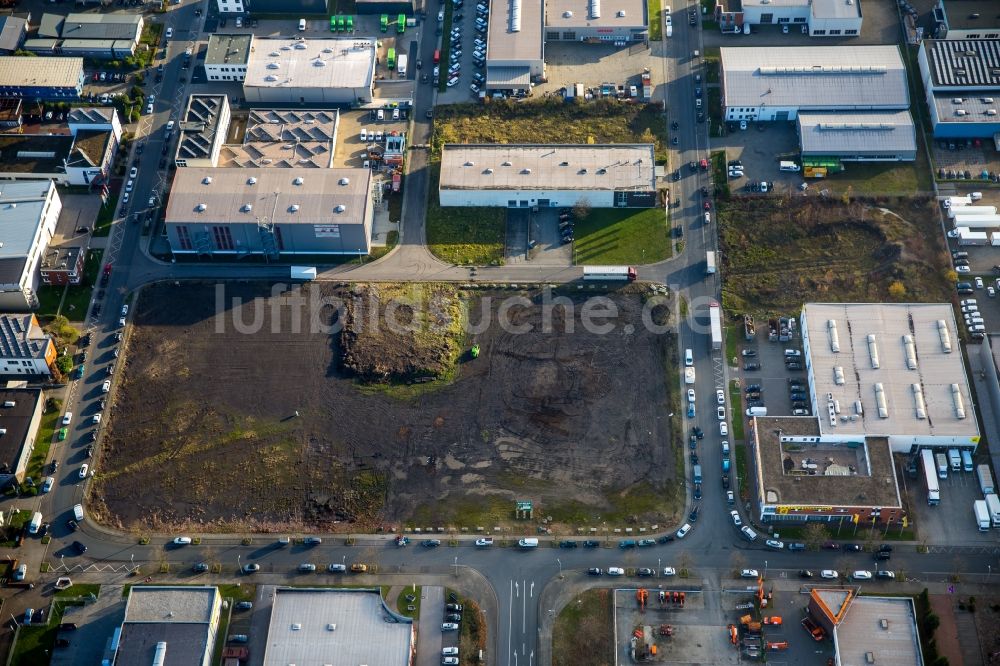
{"type": "Point", "coordinates": [149, 108]}
{"type": "Point", "coordinates": [449, 626]}
{"type": "Point", "coordinates": [47, 484]}
{"type": "Point", "coordinates": [970, 308]}
{"type": "Point", "coordinates": [720, 396]}
{"type": "Point", "coordinates": [106, 386]}
{"type": "Point", "coordinates": [749, 573]}
{"type": "Point", "coordinates": [364, 134]}
{"type": "Point", "coordinates": [968, 301]}
{"type": "Point", "coordinates": [125, 309]}
{"type": "Point", "coordinates": [683, 531]}
{"type": "Point", "coordinates": [737, 521]}
{"type": "Point", "coordinates": [725, 448]}
{"type": "Point", "coordinates": [121, 322]}
{"type": "Point", "coordinates": [170, 33]}
{"type": "Point", "coordinates": [991, 292]}
{"type": "Point", "coordinates": [774, 543]}
{"type": "Point", "coordinates": [616, 571]}
{"type": "Point", "coordinates": [669, 571]}
{"type": "Point", "coordinates": [730, 497]}
{"type": "Point", "coordinates": [97, 418]}
{"type": "Point", "coordinates": [691, 395]}
{"type": "Point", "coordinates": [963, 269]}
{"type": "Point", "coordinates": [67, 418]}
{"type": "Point", "coordinates": [134, 172]}
{"type": "Point", "coordinates": [862, 575]}
{"type": "Point", "coordinates": [721, 413]}
{"type": "Point", "coordinates": [453, 81]}
{"type": "Point", "coordinates": [743, 125]}
{"type": "Point", "coordinates": [979, 283]}
{"type": "Point", "coordinates": [723, 428]}
{"type": "Point", "coordinates": [182, 541]}
{"type": "Point", "coordinates": [129, 185]}
{"type": "Point", "coordinates": [764, 187]}
{"type": "Point", "coordinates": [449, 661]}
{"type": "Point", "coordinates": [84, 468]}
{"type": "Point", "coordinates": [829, 574]}
{"type": "Point", "coordinates": [449, 652]}
{"type": "Point", "coordinates": [484, 542]}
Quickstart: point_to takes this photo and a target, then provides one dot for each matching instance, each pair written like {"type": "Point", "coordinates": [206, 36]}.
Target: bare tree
{"type": "Point", "coordinates": [814, 535]}
{"type": "Point", "coordinates": [582, 209]}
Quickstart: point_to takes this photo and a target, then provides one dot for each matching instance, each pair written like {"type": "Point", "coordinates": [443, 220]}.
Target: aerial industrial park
{"type": "Point", "coordinates": [406, 333]}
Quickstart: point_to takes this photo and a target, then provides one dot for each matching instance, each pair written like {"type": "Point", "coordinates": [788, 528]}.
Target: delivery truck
{"type": "Point", "coordinates": [962, 211]}
{"type": "Point", "coordinates": [715, 322]}
{"type": "Point", "coordinates": [951, 202]}
{"type": "Point", "coordinates": [303, 272]}
{"type": "Point", "coordinates": [985, 479]}
{"type": "Point", "coordinates": [401, 65]}
{"type": "Point", "coordinates": [993, 506]}
{"type": "Point", "coordinates": [968, 237]}
{"type": "Point", "coordinates": [976, 222]}
{"type": "Point", "coordinates": [609, 273]}
{"type": "Point", "coordinates": [689, 375]}
{"type": "Point", "coordinates": [930, 475]}
{"type": "Point", "coordinates": [982, 515]}
{"type": "Point", "coordinates": [710, 263]}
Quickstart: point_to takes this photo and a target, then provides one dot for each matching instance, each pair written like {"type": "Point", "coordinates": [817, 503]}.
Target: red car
{"type": "Point", "coordinates": [707, 205]}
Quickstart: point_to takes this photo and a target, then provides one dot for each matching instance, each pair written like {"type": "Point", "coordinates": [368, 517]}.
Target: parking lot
{"type": "Point", "coordinates": [768, 370]}
{"type": "Point", "coordinates": [594, 64]}
{"type": "Point", "coordinates": [758, 148]}
{"type": "Point", "coordinates": [350, 150]}
{"type": "Point", "coordinates": [461, 64]}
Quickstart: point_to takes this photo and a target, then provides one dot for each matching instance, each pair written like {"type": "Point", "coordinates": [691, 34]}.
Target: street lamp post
{"type": "Point", "coordinates": [765, 568]}
{"type": "Point", "coordinates": [456, 566]}
{"type": "Point", "coordinates": [559, 562]}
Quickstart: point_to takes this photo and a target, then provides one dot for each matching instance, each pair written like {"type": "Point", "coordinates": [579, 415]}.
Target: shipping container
{"type": "Point", "coordinates": [969, 237]}
{"type": "Point", "coordinates": [303, 273]}
{"type": "Point", "coordinates": [985, 479]}
{"type": "Point", "coordinates": [995, 238]}
{"type": "Point", "coordinates": [962, 211]}
{"type": "Point", "coordinates": [976, 222]}
{"type": "Point", "coordinates": [942, 465]}
{"type": "Point", "coordinates": [930, 475]}
{"type": "Point", "coordinates": [609, 273]}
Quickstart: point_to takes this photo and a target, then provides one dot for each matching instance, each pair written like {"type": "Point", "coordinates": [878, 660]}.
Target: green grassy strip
{"type": "Point", "coordinates": [622, 236]}
{"type": "Point", "coordinates": [654, 11]}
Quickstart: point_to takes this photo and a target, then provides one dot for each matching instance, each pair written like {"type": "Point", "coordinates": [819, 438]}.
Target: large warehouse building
{"type": "Point", "coordinates": [41, 78]}
{"type": "Point", "coordinates": [589, 21]}
{"type": "Point", "coordinates": [269, 211]}
{"type": "Point", "coordinates": [310, 71]}
{"type": "Point", "coordinates": [962, 83]}
{"type": "Point", "coordinates": [889, 136]}
{"type": "Point", "coordinates": [532, 175]}
{"type": "Point", "coordinates": [515, 50]}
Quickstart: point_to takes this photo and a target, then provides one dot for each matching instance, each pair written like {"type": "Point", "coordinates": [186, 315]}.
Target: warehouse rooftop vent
{"type": "Point", "coordinates": [345, 181]}
{"type": "Point", "coordinates": [273, 65]}
{"type": "Point", "coordinates": [318, 63]}
{"type": "Point", "coordinates": [567, 14]}
{"type": "Point", "coordinates": [470, 163]}
{"type": "Point", "coordinates": [526, 171]}
{"type": "Point", "coordinates": [340, 208]}
{"type": "Point", "coordinates": [506, 164]}
{"type": "Point", "coordinates": [621, 13]}
{"type": "Point", "coordinates": [488, 171]}
{"type": "Point", "coordinates": [294, 208]}
{"type": "Point", "coordinates": [200, 207]}
{"type": "Point", "coordinates": [251, 181]}
{"type": "Point", "coordinates": [298, 181]}
{"type": "Point", "coordinates": [207, 180]}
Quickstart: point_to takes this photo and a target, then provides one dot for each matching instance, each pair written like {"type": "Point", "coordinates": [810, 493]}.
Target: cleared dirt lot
{"type": "Point", "coordinates": [217, 429]}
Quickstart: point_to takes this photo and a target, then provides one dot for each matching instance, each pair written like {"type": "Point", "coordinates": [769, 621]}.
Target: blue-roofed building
{"type": "Point", "coordinates": [41, 78]}
{"type": "Point", "coordinates": [962, 83]}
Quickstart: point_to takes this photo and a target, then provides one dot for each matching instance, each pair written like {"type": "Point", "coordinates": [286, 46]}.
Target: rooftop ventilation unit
{"type": "Point", "coordinates": [526, 172]}
{"type": "Point", "coordinates": [858, 408]}
{"type": "Point", "coordinates": [621, 13]}
{"type": "Point", "coordinates": [294, 208]}
{"type": "Point", "coordinates": [595, 9]}
{"type": "Point", "coordinates": [251, 181]}
{"type": "Point", "coordinates": [506, 164]}
{"type": "Point", "coordinates": [274, 54]}
{"type": "Point", "coordinates": [301, 46]}
{"type": "Point", "coordinates": [345, 181]}
{"type": "Point", "coordinates": [991, 112]}
{"type": "Point", "coordinates": [273, 65]}
{"type": "Point", "coordinates": [956, 100]}
{"type": "Point", "coordinates": [318, 63]}
{"type": "Point", "coordinates": [944, 335]}
{"type": "Point", "coordinates": [470, 163]}
{"type": "Point", "coordinates": [488, 171]}
{"type": "Point", "coordinates": [567, 14]}
{"type": "Point", "coordinates": [987, 100]}
{"type": "Point", "coordinates": [961, 112]}
{"type": "Point", "coordinates": [271, 78]}
{"type": "Point", "coordinates": [838, 375]}
{"type": "Point", "coordinates": [298, 181]}
{"type": "Point", "coordinates": [918, 401]}
{"type": "Point", "coordinates": [207, 180]}
{"type": "Point", "coordinates": [911, 352]}
{"type": "Point", "coordinates": [200, 208]}
{"type": "Point", "coordinates": [883, 409]}
{"type": "Point", "coordinates": [956, 399]}
{"type": "Point", "coordinates": [831, 327]}
{"type": "Point", "coordinates": [873, 351]}
{"type": "Point", "coordinates": [247, 208]}
{"type": "Point", "coordinates": [340, 208]}
{"type": "Point", "coordinates": [515, 15]}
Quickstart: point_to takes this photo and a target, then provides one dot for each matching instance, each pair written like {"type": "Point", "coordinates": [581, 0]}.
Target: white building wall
{"type": "Point", "coordinates": [771, 15]}
{"type": "Point", "coordinates": [230, 6]}
{"type": "Point", "coordinates": [762, 113]}
{"type": "Point", "coordinates": [228, 72]}
{"type": "Point", "coordinates": [502, 198]}
{"type": "Point", "coordinates": [835, 27]}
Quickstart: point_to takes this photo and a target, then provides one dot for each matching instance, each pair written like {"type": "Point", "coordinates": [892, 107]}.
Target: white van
{"type": "Point", "coordinates": [302, 25]}
{"type": "Point", "coordinates": [748, 533]}
{"type": "Point", "coordinates": [78, 512]}
{"type": "Point", "coordinates": [788, 166]}
{"type": "Point", "coordinates": [976, 196]}
{"type": "Point", "coordinates": [688, 358]}
{"type": "Point", "coordinates": [36, 523]}
{"type": "Point", "coordinates": [528, 543]}
{"type": "Point", "coordinates": [757, 411]}
{"type": "Point", "coordinates": [955, 460]}
{"type": "Point", "coordinates": [966, 460]}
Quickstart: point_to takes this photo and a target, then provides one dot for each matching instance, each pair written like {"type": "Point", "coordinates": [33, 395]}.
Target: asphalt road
{"type": "Point", "coordinates": [518, 578]}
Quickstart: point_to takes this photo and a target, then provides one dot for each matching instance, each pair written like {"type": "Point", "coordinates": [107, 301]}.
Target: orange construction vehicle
{"type": "Point", "coordinates": [780, 645]}
{"type": "Point", "coordinates": [642, 596]}
{"type": "Point", "coordinates": [682, 598]}
{"type": "Point", "coordinates": [666, 630]}
{"type": "Point", "coordinates": [748, 622]}
{"type": "Point", "coordinates": [814, 629]}
{"type": "Point", "coordinates": [734, 635]}
{"type": "Point", "coordinates": [773, 619]}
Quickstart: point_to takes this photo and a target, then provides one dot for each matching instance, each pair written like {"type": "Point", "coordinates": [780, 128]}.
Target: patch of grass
{"type": "Point", "coordinates": [78, 296]}
{"type": "Point", "coordinates": [221, 635]}
{"type": "Point", "coordinates": [740, 450]}
{"type": "Point", "coordinates": [465, 512]}
{"type": "Point", "coordinates": [733, 333]}
{"type": "Point", "coordinates": [880, 179]}
{"type": "Point", "coordinates": [654, 10]}
{"type": "Point", "coordinates": [49, 297]}
{"type": "Point", "coordinates": [582, 633]}
{"type": "Point", "coordinates": [737, 423]}
{"type": "Point", "coordinates": [719, 174]}
{"type": "Point", "coordinates": [35, 643]}
{"type": "Point", "coordinates": [776, 250]}
{"type": "Point", "coordinates": [714, 103]}
{"type": "Point", "coordinates": [402, 603]}
{"type": "Point", "coordinates": [46, 430]}
{"type": "Point", "coordinates": [642, 500]}
{"type": "Point", "coordinates": [238, 592]}
{"type": "Point", "coordinates": [80, 590]}
{"type": "Point", "coordinates": [710, 24]}
{"type": "Point", "coordinates": [391, 241]}
{"type": "Point", "coordinates": [622, 236]}
{"type": "Point", "coordinates": [472, 632]}
{"type": "Point", "coordinates": [105, 216]}
{"type": "Point", "coordinates": [464, 235]}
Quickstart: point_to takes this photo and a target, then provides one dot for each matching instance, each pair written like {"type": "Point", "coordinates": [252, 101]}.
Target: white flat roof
{"type": "Point", "coordinates": [834, 9]}
{"type": "Point", "coordinates": [328, 626]}
{"type": "Point", "coordinates": [634, 13]}
{"type": "Point", "coordinates": [848, 375]}
{"type": "Point", "coordinates": [523, 44]}
{"type": "Point", "coordinates": [883, 626]}
{"type": "Point", "coordinates": [185, 604]}
{"type": "Point", "coordinates": [40, 71]}
{"type": "Point", "coordinates": [311, 63]}
{"type": "Point", "coordinates": [551, 167]}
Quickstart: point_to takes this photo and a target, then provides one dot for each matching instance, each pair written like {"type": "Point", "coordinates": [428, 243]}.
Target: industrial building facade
{"type": "Point", "coordinates": [542, 176]}
{"type": "Point", "coordinates": [270, 211]}
{"type": "Point", "coordinates": [819, 18]}
{"type": "Point", "coordinates": [889, 136]}
{"type": "Point", "coordinates": [41, 78]}
{"type": "Point", "coordinates": [314, 71]}
{"type": "Point", "coordinates": [962, 83]}
{"type": "Point", "coordinates": [30, 210]}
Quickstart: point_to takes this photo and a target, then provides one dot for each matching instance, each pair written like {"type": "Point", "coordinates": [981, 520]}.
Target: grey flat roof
{"type": "Point", "coordinates": [836, 9]}
{"type": "Point", "coordinates": [975, 108]}
{"type": "Point", "coordinates": [880, 131]}
{"type": "Point", "coordinates": [40, 71]}
{"type": "Point", "coordinates": [883, 626]}
{"type": "Point", "coordinates": [506, 76]}
{"type": "Point", "coordinates": [22, 203]}
{"type": "Point", "coordinates": [180, 604]}
{"type": "Point", "coordinates": [200, 126]}
{"type": "Point", "coordinates": [16, 421]}
{"type": "Point", "coordinates": [556, 167]}
{"type": "Point", "coordinates": [526, 43]}
{"type": "Point", "coordinates": [364, 632]}
{"type": "Point", "coordinates": [91, 115]}
{"type": "Point", "coordinates": [935, 373]}
{"type": "Point", "coordinates": [50, 25]}
{"type": "Point", "coordinates": [12, 30]}
{"type": "Point", "coordinates": [971, 14]}
{"type": "Point", "coordinates": [227, 49]}
{"type": "Point", "coordinates": [830, 482]}
{"type": "Point", "coordinates": [34, 153]}
{"type": "Point", "coordinates": [186, 643]}
{"type": "Point", "coordinates": [284, 196]}
{"type": "Point", "coordinates": [311, 63]}
{"type": "Point", "coordinates": [580, 16]}
{"type": "Point", "coordinates": [285, 138]}
{"type": "Point", "coordinates": [101, 26]}
{"type": "Point", "coordinates": [21, 337]}
{"type": "Point", "coordinates": [814, 77]}
{"type": "Point", "coordinates": [963, 63]}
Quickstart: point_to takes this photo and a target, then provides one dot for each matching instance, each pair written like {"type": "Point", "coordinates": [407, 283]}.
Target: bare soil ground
{"type": "Point", "coordinates": [220, 430]}
{"type": "Point", "coordinates": [778, 253]}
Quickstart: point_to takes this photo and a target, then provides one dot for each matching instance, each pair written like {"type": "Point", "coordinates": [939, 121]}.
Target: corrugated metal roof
{"type": "Point", "coordinates": [815, 77]}
{"type": "Point", "coordinates": [507, 76]}
{"type": "Point", "coordinates": [560, 167]}
{"type": "Point", "coordinates": [101, 26]}
{"type": "Point", "coordinates": [40, 71]}
{"type": "Point", "coordinates": [885, 132]}
{"type": "Point", "coordinates": [963, 63]}
{"type": "Point", "coordinates": [515, 30]}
